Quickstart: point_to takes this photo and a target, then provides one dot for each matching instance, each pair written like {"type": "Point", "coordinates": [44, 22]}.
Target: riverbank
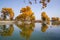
{"type": "Point", "coordinates": [6, 22]}
{"type": "Point", "coordinates": [13, 22]}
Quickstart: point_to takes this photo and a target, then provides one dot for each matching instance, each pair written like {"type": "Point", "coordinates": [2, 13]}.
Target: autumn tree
{"type": "Point", "coordinates": [55, 21]}
{"type": "Point", "coordinates": [45, 18]}
{"type": "Point", "coordinates": [55, 18]}
{"type": "Point", "coordinates": [7, 12]}
{"type": "Point", "coordinates": [26, 14]}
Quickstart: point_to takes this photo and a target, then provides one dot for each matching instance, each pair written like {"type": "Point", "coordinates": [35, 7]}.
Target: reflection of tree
{"type": "Point", "coordinates": [56, 23]}
{"type": "Point", "coordinates": [44, 27]}
{"type": "Point", "coordinates": [27, 29]}
{"type": "Point", "coordinates": [7, 31]}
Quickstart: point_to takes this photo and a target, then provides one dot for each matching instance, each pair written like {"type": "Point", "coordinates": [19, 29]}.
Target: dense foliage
{"type": "Point", "coordinates": [26, 14]}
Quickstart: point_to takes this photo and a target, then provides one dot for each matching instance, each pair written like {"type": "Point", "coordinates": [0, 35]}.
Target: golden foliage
{"type": "Point", "coordinates": [7, 32]}
{"type": "Point", "coordinates": [26, 11]}
{"type": "Point", "coordinates": [55, 19]}
{"type": "Point", "coordinates": [43, 14]}
{"type": "Point", "coordinates": [45, 17]}
{"type": "Point", "coordinates": [26, 14]}
{"type": "Point", "coordinates": [44, 27]}
{"type": "Point", "coordinates": [8, 11]}
{"type": "Point", "coordinates": [26, 28]}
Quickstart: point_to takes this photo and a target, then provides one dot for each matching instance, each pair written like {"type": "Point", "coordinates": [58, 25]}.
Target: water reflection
{"type": "Point", "coordinates": [26, 29]}
{"type": "Point", "coordinates": [29, 31]}
{"type": "Point", "coordinates": [55, 23]}
{"type": "Point", "coordinates": [44, 27]}
{"type": "Point", "coordinates": [6, 30]}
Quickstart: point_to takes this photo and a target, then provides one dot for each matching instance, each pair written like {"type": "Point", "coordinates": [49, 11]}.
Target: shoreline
{"type": "Point", "coordinates": [13, 22]}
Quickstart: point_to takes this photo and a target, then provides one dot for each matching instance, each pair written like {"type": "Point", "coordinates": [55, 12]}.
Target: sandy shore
{"type": "Point", "coordinates": [12, 22]}
{"type": "Point", "coordinates": [6, 22]}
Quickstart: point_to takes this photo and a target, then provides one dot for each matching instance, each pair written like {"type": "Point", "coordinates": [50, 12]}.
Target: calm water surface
{"type": "Point", "coordinates": [32, 31]}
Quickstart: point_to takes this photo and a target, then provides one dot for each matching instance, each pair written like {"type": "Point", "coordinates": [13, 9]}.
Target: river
{"type": "Point", "coordinates": [31, 31]}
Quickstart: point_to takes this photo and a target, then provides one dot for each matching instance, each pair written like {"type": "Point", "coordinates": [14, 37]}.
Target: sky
{"type": "Point", "coordinates": [52, 9]}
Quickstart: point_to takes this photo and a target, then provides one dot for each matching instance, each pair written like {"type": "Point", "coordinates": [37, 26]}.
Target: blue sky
{"type": "Point", "coordinates": [52, 9]}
